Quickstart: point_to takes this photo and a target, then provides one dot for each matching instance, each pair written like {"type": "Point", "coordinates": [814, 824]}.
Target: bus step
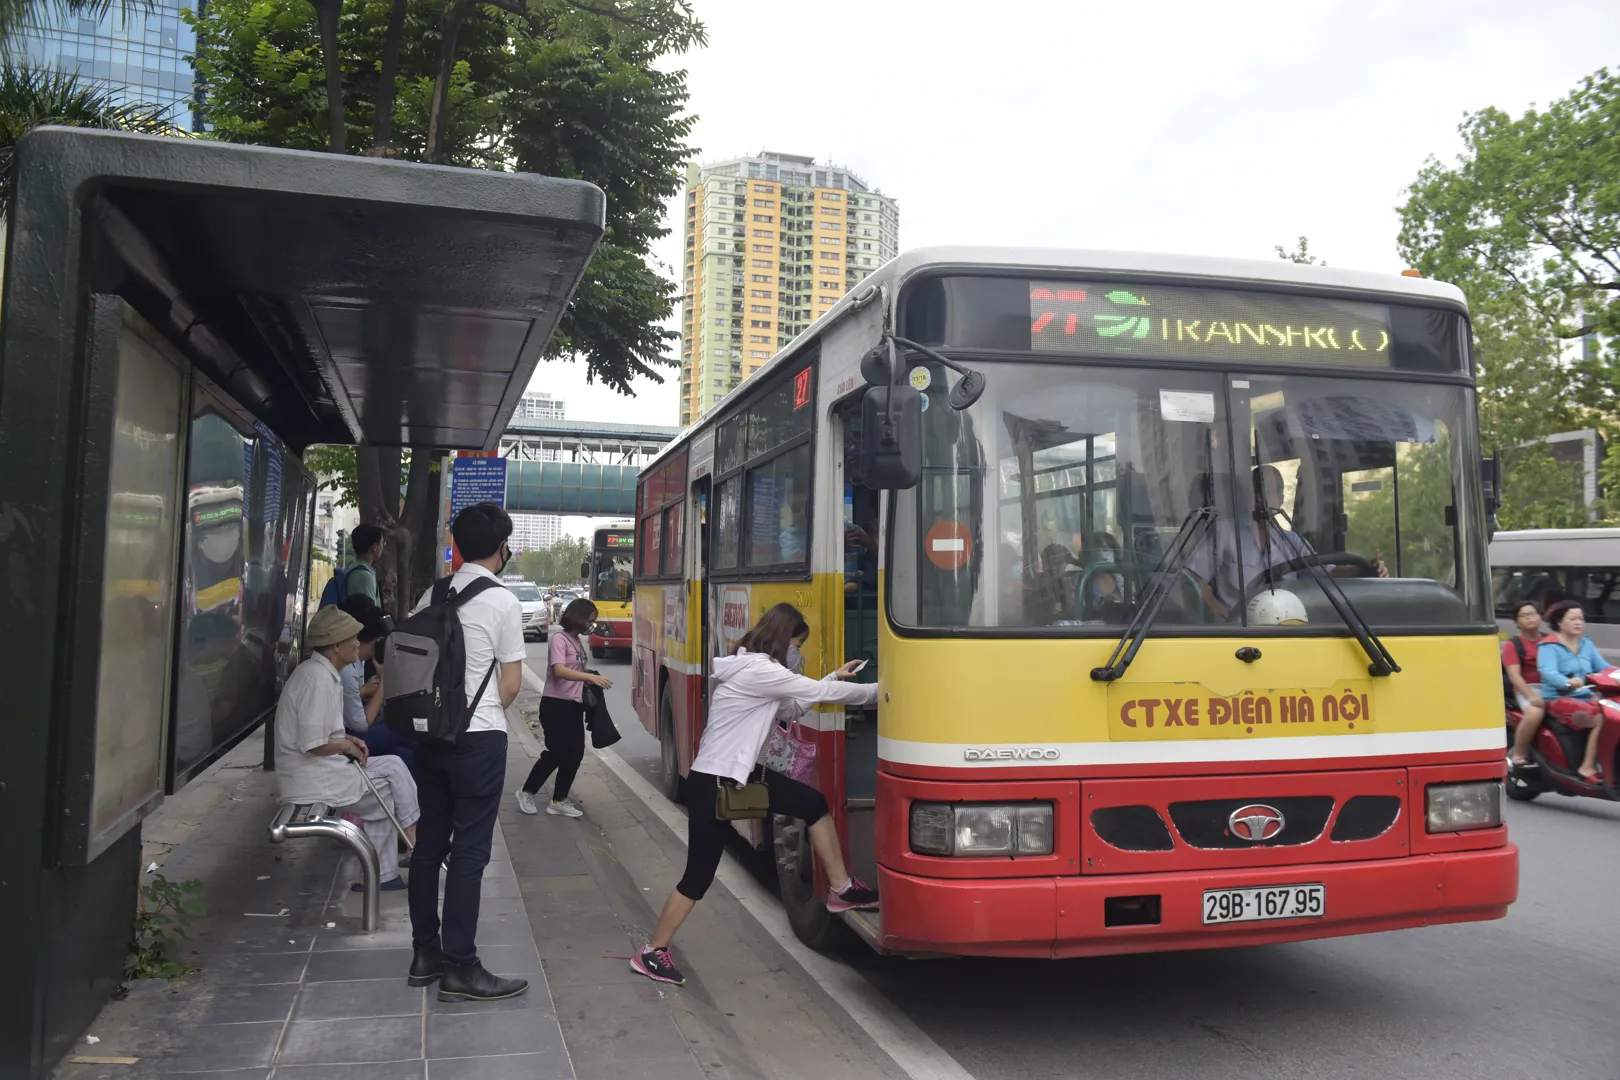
{"type": "Point", "coordinates": [865, 924]}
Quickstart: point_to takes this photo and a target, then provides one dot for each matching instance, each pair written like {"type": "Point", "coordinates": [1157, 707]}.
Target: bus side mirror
{"type": "Point", "coordinates": [1490, 471]}
{"type": "Point", "coordinates": [585, 569]}
{"type": "Point", "coordinates": [891, 438]}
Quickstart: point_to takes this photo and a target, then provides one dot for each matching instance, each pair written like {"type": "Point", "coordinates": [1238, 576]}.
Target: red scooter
{"type": "Point", "coordinates": [1557, 750]}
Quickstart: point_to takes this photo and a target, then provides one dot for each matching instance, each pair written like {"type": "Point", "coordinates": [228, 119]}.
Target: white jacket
{"type": "Point", "coordinates": [748, 689]}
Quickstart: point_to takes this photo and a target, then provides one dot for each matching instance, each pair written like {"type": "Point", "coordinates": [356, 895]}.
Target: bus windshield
{"type": "Point", "coordinates": [1051, 501]}
{"type": "Point", "coordinates": [613, 562]}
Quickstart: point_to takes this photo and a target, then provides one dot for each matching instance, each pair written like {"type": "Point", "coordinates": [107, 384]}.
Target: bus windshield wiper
{"type": "Point", "coordinates": [1193, 528]}
{"type": "Point", "coordinates": [1381, 662]}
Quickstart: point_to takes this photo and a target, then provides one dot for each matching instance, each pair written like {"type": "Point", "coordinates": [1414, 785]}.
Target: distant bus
{"type": "Point", "coordinates": [1550, 565]}
{"type": "Point", "coordinates": [609, 577]}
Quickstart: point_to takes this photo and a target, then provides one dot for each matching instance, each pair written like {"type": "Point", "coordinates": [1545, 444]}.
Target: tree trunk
{"type": "Point", "coordinates": [377, 476]}
{"type": "Point", "coordinates": [427, 563]}
{"type": "Point", "coordinates": [414, 526]}
{"type": "Point", "coordinates": [382, 136]}
{"type": "Point", "coordinates": [327, 13]}
{"type": "Point", "coordinates": [439, 108]}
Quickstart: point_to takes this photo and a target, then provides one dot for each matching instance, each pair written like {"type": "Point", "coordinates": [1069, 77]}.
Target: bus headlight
{"type": "Point", "coordinates": [603, 630]}
{"type": "Point", "coordinates": [1457, 807]}
{"type": "Point", "coordinates": [970, 829]}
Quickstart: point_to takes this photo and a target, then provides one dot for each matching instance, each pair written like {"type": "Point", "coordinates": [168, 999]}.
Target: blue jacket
{"type": "Point", "coordinates": [1556, 664]}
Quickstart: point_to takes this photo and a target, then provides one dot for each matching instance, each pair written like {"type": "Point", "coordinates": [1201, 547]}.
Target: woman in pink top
{"type": "Point", "coordinates": [562, 711]}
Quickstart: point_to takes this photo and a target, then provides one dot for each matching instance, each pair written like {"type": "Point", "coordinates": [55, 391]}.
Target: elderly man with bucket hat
{"type": "Point", "coordinates": [312, 749]}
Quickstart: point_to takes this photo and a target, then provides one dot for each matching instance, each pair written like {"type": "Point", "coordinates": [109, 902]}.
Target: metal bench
{"type": "Point", "coordinates": [293, 821]}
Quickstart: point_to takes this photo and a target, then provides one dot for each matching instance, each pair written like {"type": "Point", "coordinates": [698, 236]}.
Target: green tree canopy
{"type": "Point", "coordinates": [1527, 222]}
{"type": "Point", "coordinates": [569, 88]}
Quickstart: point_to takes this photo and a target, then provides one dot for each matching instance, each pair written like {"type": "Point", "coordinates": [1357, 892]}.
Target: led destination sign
{"type": "Point", "coordinates": [1206, 324]}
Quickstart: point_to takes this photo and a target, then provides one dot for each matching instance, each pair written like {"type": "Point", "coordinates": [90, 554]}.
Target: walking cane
{"type": "Point", "coordinates": [383, 803]}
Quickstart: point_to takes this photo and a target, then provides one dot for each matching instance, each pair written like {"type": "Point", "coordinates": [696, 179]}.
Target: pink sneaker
{"type": "Point", "coordinates": [855, 896]}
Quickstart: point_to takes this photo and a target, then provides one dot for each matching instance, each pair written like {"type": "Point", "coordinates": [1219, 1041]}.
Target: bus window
{"type": "Point", "coordinates": [672, 540]}
{"type": "Point", "coordinates": [726, 519]}
{"type": "Point", "coordinates": [1085, 474]}
{"type": "Point", "coordinates": [779, 509]}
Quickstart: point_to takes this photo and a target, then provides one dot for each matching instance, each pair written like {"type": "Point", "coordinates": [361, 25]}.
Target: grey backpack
{"type": "Point", "coordinates": [425, 690]}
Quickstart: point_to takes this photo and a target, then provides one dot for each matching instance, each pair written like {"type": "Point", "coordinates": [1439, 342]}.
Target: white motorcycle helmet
{"type": "Point", "coordinates": [1277, 607]}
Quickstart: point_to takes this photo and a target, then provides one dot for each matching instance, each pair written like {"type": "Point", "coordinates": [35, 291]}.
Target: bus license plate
{"type": "Point", "coordinates": [1271, 902]}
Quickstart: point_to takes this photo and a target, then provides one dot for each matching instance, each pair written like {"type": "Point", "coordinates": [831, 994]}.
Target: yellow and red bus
{"type": "Point", "coordinates": [1172, 573]}
{"type": "Point", "coordinates": [611, 581]}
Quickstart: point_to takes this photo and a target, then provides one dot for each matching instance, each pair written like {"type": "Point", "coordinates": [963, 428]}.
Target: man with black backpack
{"type": "Point", "coordinates": [456, 712]}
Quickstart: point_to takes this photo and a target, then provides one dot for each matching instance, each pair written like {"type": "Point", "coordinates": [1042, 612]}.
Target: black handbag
{"type": "Point", "coordinates": [603, 731]}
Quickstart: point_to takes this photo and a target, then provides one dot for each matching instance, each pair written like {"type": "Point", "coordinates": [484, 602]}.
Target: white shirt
{"type": "Point", "coordinates": [308, 716]}
{"type": "Point", "coordinates": [750, 688]}
{"type": "Point", "coordinates": [491, 630]}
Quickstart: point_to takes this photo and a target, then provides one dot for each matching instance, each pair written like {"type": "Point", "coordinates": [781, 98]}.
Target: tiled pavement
{"type": "Point", "coordinates": [306, 994]}
{"type": "Point", "coordinates": [288, 986]}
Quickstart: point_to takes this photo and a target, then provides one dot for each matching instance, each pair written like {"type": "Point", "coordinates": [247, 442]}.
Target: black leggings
{"type": "Point", "coordinates": [563, 722]}
{"type": "Point", "coordinates": [706, 834]}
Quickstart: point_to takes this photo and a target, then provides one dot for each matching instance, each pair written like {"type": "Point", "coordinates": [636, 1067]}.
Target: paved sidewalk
{"type": "Point", "coordinates": [592, 888]}
{"type": "Point", "coordinates": [290, 988]}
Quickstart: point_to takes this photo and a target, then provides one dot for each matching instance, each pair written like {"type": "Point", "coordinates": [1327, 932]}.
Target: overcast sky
{"type": "Point", "coordinates": [1213, 129]}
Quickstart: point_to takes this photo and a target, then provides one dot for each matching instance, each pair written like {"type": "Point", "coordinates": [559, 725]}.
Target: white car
{"type": "Point", "coordinates": [536, 619]}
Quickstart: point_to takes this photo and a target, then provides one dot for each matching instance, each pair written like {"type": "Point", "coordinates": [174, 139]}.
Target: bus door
{"type": "Point", "coordinates": [859, 535]}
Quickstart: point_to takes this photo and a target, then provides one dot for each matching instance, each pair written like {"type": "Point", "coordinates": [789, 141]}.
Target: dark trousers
{"type": "Point", "coordinates": [706, 834]}
{"type": "Point", "coordinates": [382, 740]}
{"type": "Point", "coordinates": [563, 722]}
{"type": "Point", "coordinates": [459, 786]}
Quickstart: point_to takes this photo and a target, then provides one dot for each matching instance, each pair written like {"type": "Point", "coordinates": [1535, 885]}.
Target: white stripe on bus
{"type": "Point", "coordinates": [954, 755]}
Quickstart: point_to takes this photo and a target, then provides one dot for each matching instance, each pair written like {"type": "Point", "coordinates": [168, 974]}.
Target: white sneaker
{"type": "Point", "coordinates": [526, 802]}
{"type": "Point", "coordinates": [565, 809]}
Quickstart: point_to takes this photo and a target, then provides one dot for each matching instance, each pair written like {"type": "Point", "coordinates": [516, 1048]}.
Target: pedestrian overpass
{"type": "Point", "coordinates": [578, 467]}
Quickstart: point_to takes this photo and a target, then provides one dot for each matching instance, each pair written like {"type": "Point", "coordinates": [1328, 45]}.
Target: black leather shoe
{"type": "Point", "coordinates": [470, 982]}
{"type": "Point", "coordinates": [427, 965]}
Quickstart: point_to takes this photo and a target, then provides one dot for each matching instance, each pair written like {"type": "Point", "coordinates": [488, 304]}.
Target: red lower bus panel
{"type": "Point", "coordinates": [1064, 917]}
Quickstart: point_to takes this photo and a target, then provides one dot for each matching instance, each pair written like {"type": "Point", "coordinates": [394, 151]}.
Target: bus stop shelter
{"type": "Point", "coordinates": [182, 319]}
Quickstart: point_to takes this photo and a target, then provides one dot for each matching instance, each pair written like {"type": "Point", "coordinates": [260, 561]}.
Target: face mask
{"type": "Point", "coordinates": [1106, 556]}
{"type": "Point", "coordinates": [795, 660]}
{"type": "Point", "coordinates": [506, 557]}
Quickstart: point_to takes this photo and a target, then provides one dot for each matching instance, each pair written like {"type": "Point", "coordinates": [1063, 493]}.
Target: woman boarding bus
{"type": "Point", "coordinates": [753, 686]}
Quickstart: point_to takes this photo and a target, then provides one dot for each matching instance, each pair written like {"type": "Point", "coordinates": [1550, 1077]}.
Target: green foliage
{"type": "Point", "coordinates": [1527, 223]}
{"type": "Point", "coordinates": [1301, 254]}
{"type": "Point", "coordinates": [334, 467]}
{"type": "Point", "coordinates": [564, 89]}
{"type": "Point", "coordinates": [31, 97]}
{"type": "Point", "coordinates": [160, 929]}
{"type": "Point", "coordinates": [555, 565]}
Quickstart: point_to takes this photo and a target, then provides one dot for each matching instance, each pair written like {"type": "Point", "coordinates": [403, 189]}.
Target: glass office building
{"type": "Point", "coordinates": [144, 53]}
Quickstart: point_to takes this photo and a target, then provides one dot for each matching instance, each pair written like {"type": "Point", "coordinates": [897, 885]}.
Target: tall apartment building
{"type": "Point", "coordinates": [772, 242]}
{"type": "Point", "coordinates": [539, 405]}
{"type": "Point", "coordinates": [532, 532]}
{"type": "Point", "coordinates": [143, 54]}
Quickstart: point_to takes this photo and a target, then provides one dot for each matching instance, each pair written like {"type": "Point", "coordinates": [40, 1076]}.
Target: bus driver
{"type": "Point", "coordinates": [1224, 570]}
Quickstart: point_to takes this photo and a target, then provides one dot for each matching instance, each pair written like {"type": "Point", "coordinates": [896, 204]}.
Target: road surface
{"type": "Point", "coordinates": [1534, 995]}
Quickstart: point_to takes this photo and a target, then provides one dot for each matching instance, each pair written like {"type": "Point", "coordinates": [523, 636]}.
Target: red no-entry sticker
{"type": "Point", "coordinates": [948, 545]}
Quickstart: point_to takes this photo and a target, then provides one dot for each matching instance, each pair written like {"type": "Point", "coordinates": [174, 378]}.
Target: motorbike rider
{"type": "Point", "coordinates": [1519, 661]}
{"type": "Point", "coordinates": [1565, 660]}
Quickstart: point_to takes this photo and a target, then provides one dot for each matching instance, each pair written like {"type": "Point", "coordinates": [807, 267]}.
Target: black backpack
{"type": "Point", "coordinates": [425, 690]}
{"type": "Point", "coordinates": [1507, 684]}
